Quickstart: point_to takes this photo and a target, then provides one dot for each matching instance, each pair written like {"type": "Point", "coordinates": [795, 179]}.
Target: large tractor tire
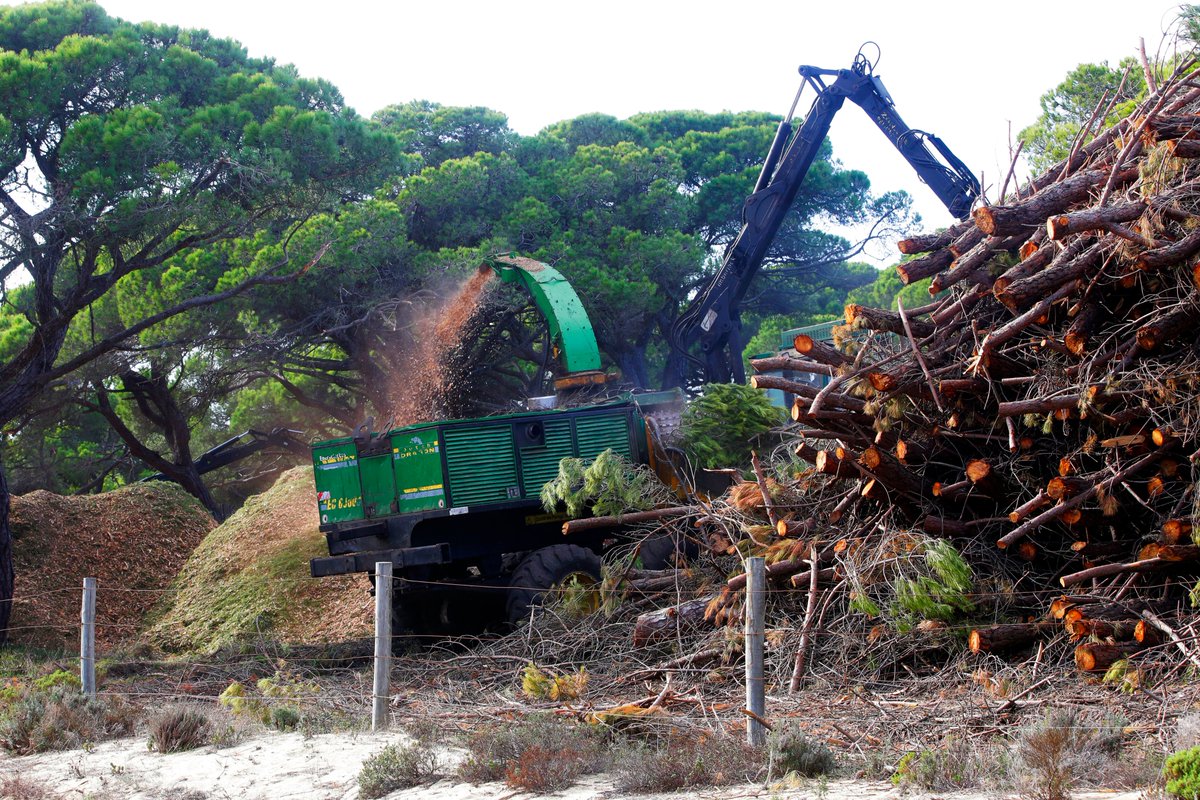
{"type": "Point", "coordinates": [560, 566]}
{"type": "Point", "coordinates": [666, 550]}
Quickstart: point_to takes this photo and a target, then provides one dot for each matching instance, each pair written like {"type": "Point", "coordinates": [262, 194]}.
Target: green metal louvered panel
{"type": "Point", "coordinates": [595, 433]}
{"type": "Point", "coordinates": [481, 465]}
{"type": "Point", "coordinates": [539, 465]}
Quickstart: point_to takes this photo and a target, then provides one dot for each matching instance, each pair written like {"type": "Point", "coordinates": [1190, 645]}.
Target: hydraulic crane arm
{"type": "Point", "coordinates": [713, 318]}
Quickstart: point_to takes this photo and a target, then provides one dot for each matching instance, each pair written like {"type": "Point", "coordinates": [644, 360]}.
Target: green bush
{"type": "Point", "coordinates": [722, 426]}
{"type": "Point", "coordinates": [284, 718]}
{"type": "Point", "coordinates": [1182, 772]}
{"type": "Point", "coordinates": [397, 766]}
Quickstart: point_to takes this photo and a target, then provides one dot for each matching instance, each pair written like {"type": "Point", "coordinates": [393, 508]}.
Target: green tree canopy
{"type": "Point", "coordinates": [125, 147]}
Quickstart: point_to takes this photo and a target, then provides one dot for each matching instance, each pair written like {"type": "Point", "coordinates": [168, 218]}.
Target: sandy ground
{"type": "Point", "coordinates": [288, 766]}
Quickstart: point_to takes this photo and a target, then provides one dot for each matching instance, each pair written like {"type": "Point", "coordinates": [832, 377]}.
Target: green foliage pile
{"type": "Point", "coordinates": [925, 579]}
{"type": "Point", "coordinates": [609, 485]}
{"type": "Point", "coordinates": [727, 421]}
{"type": "Point", "coordinates": [1182, 771]}
{"type": "Point", "coordinates": [941, 592]}
{"type": "Point", "coordinates": [249, 578]}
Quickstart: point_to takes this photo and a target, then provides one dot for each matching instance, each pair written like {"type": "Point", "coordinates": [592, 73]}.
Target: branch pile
{"type": "Point", "coordinates": [1044, 408]}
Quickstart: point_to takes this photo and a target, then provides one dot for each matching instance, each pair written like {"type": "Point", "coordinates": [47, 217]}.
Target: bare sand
{"type": "Point", "coordinates": [289, 766]}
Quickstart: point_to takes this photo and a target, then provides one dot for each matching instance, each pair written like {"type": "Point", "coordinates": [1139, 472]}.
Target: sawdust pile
{"type": "Point", "coordinates": [249, 578]}
{"type": "Point", "coordinates": [132, 540]}
{"type": "Point", "coordinates": [424, 377]}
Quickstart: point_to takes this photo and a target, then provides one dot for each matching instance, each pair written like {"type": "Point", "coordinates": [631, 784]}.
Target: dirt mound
{"type": "Point", "coordinates": [249, 577]}
{"type": "Point", "coordinates": [132, 540]}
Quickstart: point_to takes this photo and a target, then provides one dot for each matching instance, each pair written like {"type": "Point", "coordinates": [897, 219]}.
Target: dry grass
{"type": "Point", "coordinates": [177, 729]}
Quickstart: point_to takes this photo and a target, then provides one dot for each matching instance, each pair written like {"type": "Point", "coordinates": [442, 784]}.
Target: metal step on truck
{"type": "Point", "coordinates": [455, 505]}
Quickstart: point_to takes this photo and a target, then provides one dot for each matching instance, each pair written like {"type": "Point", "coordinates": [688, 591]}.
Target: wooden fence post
{"type": "Point", "coordinates": [383, 645]}
{"type": "Point", "coordinates": [755, 628]}
{"type": "Point", "coordinates": [87, 638]}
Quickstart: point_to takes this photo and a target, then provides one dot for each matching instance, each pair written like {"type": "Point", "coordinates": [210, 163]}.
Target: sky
{"type": "Point", "coordinates": [971, 73]}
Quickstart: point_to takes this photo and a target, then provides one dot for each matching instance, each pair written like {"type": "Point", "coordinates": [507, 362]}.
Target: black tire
{"type": "Point", "coordinates": [544, 569]}
{"type": "Point", "coordinates": [665, 550]}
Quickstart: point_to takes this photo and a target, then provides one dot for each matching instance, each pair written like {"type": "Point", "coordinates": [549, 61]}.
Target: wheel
{"type": "Point", "coordinates": [665, 550]}
{"type": "Point", "coordinates": [557, 566]}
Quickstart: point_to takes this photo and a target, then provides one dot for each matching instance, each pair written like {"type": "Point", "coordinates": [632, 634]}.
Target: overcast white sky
{"type": "Point", "coordinates": [963, 71]}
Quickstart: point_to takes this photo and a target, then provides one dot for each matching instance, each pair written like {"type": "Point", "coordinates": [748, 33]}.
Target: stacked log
{"type": "Point", "coordinates": [1045, 401]}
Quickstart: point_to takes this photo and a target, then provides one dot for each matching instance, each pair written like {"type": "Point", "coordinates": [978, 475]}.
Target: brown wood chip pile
{"type": "Point", "coordinates": [132, 540]}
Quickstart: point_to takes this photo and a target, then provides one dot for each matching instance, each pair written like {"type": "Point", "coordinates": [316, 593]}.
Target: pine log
{"type": "Point", "coordinates": [1170, 254]}
{"type": "Point", "coordinates": [878, 319]}
{"type": "Point", "coordinates": [794, 528]}
{"type": "Point", "coordinates": [1001, 638]}
{"type": "Point", "coordinates": [894, 475]}
{"type": "Point", "coordinates": [1033, 263]}
{"type": "Point", "coordinates": [1023, 293]}
{"type": "Point", "coordinates": [1104, 570]}
{"type": "Point", "coordinates": [1179, 552]}
{"type": "Point", "coordinates": [1063, 487]}
{"type": "Point", "coordinates": [1055, 198]}
{"type": "Point", "coordinates": [1164, 127]}
{"type": "Point", "coordinates": [599, 523]}
{"type": "Point", "coordinates": [952, 386]}
{"type": "Point", "coordinates": [1120, 630]}
{"type": "Point", "coordinates": [1099, 656]}
{"type": "Point", "coordinates": [1180, 321]}
{"type": "Point", "coordinates": [948, 491]}
{"type": "Point", "coordinates": [1083, 327]}
{"type": "Point", "coordinates": [1145, 634]}
{"type": "Point", "coordinates": [789, 364]}
{"type": "Point", "coordinates": [820, 351]}
{"type": "Point", "coordinates": [1028, 507]}
{"type": "Point", "coordinates": [927, 242]}
{"type": "Point", "coordinates": [925, 266]}
{"type": "Point", "coordinates": [1060, 226]}
{"type": "Point", "coordinates": [667, 623]}
{"type": "Point", "coordinates": [910, 453]}
{"type": "Point", "coordinates": [828, 463]}
{"type": "Point", "coordinates": [1038, 405]}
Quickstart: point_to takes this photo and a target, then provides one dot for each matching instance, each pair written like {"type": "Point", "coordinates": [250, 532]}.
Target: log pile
{"type": "Point", "coordinates": [1046, 404]}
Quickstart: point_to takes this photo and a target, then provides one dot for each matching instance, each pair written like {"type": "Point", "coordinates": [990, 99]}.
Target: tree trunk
{"type": "Point", "coordinates": [7, 575]}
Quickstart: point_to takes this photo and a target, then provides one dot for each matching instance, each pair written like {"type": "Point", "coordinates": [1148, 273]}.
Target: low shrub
{"type": "Point", "coordinates": [794, 752]}
{"type": "Point", "coordinates": [17, 787]}
{"type": "Point", "coordinates": [284, 718]}
{"type": "Point", "coordinates": [177, 729]}
{"type": "Point", "coordinates": [675, 763]}
{"type": "Point", "coordinates": [397, 766]}
{"type": "Point", "coordinates": [538, 751]}
{"type": "Point", "coordinates": [1063, 749]}
{"type": "Point", "coordinates": [61, 719]}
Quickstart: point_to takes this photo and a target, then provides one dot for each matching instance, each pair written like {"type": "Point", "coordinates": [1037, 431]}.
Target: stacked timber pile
{"type": "Point", "coordinates": [1046, 408]}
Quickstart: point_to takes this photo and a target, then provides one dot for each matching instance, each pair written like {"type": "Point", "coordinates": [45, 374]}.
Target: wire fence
{"type": "Point", "coordinates": [481, 675]}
